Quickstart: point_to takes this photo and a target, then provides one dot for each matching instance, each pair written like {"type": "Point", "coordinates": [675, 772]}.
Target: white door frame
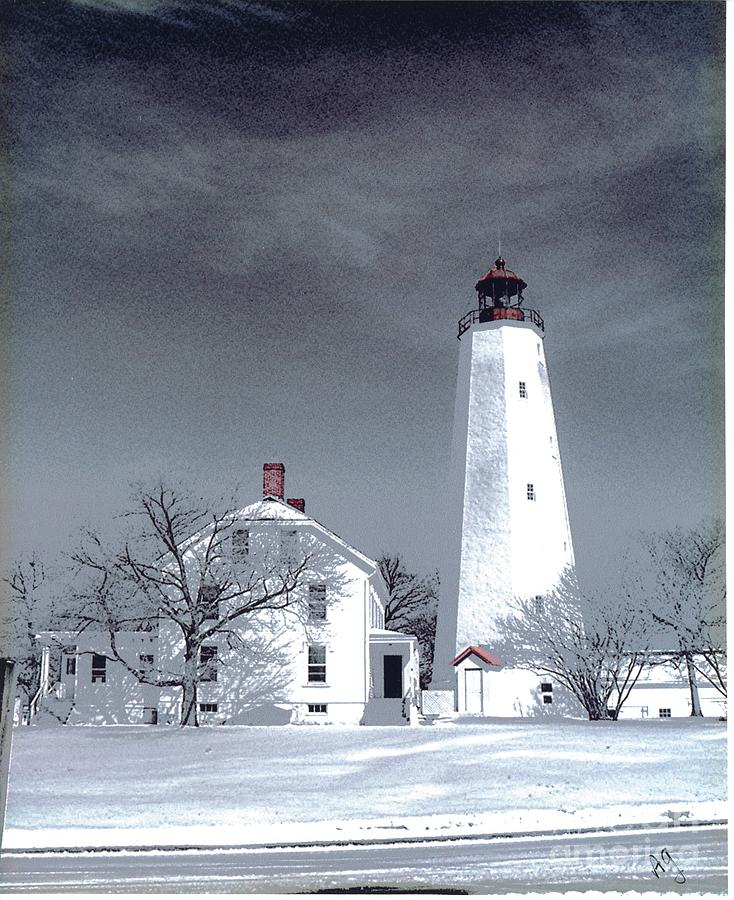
{"type": "Point", "coordinates": [481, 691]}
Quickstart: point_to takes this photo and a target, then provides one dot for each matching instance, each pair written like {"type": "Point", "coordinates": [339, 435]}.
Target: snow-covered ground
{"type": "Point", "coordinates": [145, 786]}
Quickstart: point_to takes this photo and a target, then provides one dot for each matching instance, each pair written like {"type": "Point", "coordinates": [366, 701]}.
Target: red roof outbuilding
{"type": "Point", "coordinates": [483, 654]}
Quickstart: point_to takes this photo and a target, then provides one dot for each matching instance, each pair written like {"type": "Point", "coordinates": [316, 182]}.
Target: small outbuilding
{"type": "Point", "coordinates": [473, 666]}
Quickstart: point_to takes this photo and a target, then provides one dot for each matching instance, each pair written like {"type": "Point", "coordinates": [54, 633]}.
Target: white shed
{"type": "Point", "coordinates": [473, 667]}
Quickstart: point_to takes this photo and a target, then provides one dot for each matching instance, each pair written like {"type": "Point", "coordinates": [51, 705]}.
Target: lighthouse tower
{"type": "Point", "coordinates": [508, 532]}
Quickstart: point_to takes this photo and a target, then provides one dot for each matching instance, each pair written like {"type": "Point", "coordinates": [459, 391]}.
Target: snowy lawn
{"type": "Point", "coordinates": [124, 786]}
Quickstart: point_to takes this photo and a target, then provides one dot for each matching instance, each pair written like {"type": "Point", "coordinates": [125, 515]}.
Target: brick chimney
{"type": "Point", "coordinates": [274, 480]}
{"type": "Point", "coordinates": [297, 503]}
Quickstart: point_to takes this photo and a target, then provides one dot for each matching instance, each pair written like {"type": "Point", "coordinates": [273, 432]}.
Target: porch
{"type": "Point", "coordinates": [393, 685]}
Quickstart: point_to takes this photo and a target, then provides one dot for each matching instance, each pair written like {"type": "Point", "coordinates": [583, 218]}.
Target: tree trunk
{"type": "Point", "coordinates": [595, 707]}
{"type": "Point", "coordinates": [695, 701]}
{"type": "Point", "coordinates": [189, 706]}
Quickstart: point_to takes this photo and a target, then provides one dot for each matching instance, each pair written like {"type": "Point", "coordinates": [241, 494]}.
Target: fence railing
{"type": "Point", "coordinates": [500, 313]}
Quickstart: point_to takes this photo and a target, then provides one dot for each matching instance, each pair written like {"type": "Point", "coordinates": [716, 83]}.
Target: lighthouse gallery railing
{"type": "Point", "coordinates": [500, 313]}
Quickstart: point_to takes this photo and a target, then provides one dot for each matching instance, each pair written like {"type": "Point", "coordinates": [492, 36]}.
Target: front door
{"type": "Point", "coordinates": [473, 684]}
{"type": "Point", "coordinates": [393, 675]}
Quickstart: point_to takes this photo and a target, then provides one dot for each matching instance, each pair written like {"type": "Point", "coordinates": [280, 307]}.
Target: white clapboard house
{"type": "Point", "coordinates": [327, 658]}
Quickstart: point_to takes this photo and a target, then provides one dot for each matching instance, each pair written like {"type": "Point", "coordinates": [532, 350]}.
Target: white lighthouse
{"type": "Point", "coordinates": [508, 533]}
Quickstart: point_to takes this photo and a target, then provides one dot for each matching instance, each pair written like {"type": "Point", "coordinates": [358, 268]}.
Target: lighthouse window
{"type": "Point", "coordinates": [523, 390]}
{"type": "Point", "coordinates": [531, 491]}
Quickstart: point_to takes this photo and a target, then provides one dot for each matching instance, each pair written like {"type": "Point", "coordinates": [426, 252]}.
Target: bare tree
{"type": "Point", "coordinates": [681, 580]}
{"type": "Point", "coordinates": [179, 573]}
{"type": "Point", "coordinates": [594, 645]}
{"type": "Point", "coordinates": [412, 607]}
{"type": "Point", "coordinates": [26, 610]}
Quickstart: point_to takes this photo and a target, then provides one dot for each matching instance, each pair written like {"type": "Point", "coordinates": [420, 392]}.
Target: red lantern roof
{"type": "Point", "coordinates": [499, 281]}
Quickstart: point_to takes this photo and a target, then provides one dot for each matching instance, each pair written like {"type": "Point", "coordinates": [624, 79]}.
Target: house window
{"type": "Point", "coordinates": [644, 712]}
{"type": "Point", "coordinates": [146, 663]}
{"type": "Point", "coordinates": [317, 663]}
{"type": "Point", "coordinates": [208, 658]}
{"type": "Point", "coordinates": [71, 665]}
{"type": "Point", "coordinates": [531, 491]}
{"type": "Point", "coordinates": [664, 713]}
{"type": "Point", "coordinates": [547, 698]}
{"type": "Point", "coordinates": [546, 687]}
{"type": "Point", "coordinates": [209, 600]}
{"type": "Point", "coordinates": [208, 707]}
{"type": "Point", "coordinates": [523, 390]}
{"type": "Point", "coordinates": [316, 602]}
{"type": "Point", "coordinates": [240, 544]}
{"type": "Point", "coordinates": [99, 668]}
{"type": "Point", "coordinates": [538, 605]}
{"type": "Point", "coordinates": [317, 708]}
{"type": "Point", "coordinates": [288, 543]}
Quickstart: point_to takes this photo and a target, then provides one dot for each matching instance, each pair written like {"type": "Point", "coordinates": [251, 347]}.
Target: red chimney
{"type": "Point", "coordinates": [297, 503]}
{"type": "Point", "coordinates": [274, 480]}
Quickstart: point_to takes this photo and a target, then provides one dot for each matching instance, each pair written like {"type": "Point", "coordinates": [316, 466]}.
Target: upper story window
{"type": "Point", "coordinates": [209, 598]}
{"type": "Point", "coordinates": [240, 544]}
{"type": "Point", "coordinates": [208, 660]}
{"type": "Point", "coordinates": [146, 662]}
{"type": "Point", "coordinates": [99, 668]}
{"type": "Point", "coordinates": [317, 663]}
{"type": "Point", "coordinates": [317, 602]}
{"type": "Point", "coordinates": [289, 542]}
{"type": "Point", "coordinates": [523, 388]}
{"type": "Point", "coordinates": [71, 665]}
{"type": "Point", "coordinates": [531, 491]}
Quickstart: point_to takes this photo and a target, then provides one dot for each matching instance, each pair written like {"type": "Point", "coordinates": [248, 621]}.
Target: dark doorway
{"type": "Point", "coordinates": [393, 672]}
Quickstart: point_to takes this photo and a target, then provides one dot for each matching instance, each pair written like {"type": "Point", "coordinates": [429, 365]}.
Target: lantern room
{"type": "Point", "coordinates": [500, 297]}
{"type": "Point", "coordinates": [499, 286]}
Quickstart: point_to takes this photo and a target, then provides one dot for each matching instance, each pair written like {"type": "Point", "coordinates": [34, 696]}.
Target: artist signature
{"type": "Point", "coordinates": [664, 864]}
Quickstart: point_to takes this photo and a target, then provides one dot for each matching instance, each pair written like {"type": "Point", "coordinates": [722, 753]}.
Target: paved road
{"type": "Point", "coordinates": [612, 861]}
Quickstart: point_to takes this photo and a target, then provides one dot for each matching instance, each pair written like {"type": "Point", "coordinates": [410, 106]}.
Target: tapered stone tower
{"type": "Point", "coordinates": [508, 532]}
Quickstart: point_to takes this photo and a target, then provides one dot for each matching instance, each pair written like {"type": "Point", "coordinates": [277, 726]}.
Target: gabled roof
{"type": "Point", "coordinates": [480, 652]}
{"type": "Point", "coordinates": [274, 509]}
{"type": "Point", "coordinates": [270, 508]}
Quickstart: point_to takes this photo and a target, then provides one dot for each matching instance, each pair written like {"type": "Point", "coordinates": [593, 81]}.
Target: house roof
{"type": "Point", "coordinates": [274, 509]}
{"type": "Point", "coordinates": [483, 654]}
{"type": "Point", "coordinates": [270, 508]}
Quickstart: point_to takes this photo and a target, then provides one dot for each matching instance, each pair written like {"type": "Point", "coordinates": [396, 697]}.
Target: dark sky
{"type": "Point", "coordinates": [244, 232]}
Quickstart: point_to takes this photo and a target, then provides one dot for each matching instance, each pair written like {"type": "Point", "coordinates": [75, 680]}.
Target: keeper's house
{"type": "Point", "coordinates": [326, 658]}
